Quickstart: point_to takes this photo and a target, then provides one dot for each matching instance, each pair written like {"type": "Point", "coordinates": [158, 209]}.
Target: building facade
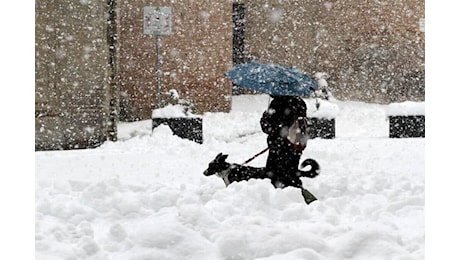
{"type": "Point", "coordinates": [95, 65]}
{"type": "Point", "coordinates": [372, 50]}
{"type": "Point", "coordinates": [74, 97]}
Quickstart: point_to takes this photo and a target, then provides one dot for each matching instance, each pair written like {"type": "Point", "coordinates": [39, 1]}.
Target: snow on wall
{"type": "Point", "coordinates": [326, 109]}
{"type": "Point", "coordinates": [172, 111]}
{"type": "Point", "coordinates": [407, 108]}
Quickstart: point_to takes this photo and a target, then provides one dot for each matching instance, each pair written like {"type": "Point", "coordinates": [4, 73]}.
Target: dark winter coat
{"type": "Point", "coordinates": [283, 160]}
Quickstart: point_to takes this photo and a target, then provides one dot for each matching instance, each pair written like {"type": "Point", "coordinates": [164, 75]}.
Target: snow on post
{"type": "Point", "coordinates": [180, 119]}
{"type": "Point", "coordinates": [321, 118]}
{"type": "Point", "coordinates": [406, 119]}
{"type": "Point", "coordinates": [407, 108]}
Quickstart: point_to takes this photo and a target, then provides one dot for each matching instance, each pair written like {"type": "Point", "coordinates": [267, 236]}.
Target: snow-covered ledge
{"type": "Point", "coordinates": [406, 119]}
{"type": "Point", "coordinates": [321, 119]}
{"type": "Point", "coordinates": [407, 108]}
{"type": "Point", "coordinates": [326, 109]}
{"type": "Point", "coordinates": [181, 121]}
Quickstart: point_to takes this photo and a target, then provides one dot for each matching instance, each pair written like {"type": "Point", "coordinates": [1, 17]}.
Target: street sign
{"type": "Point", "coordinates": [157, 20]}
{"type": "Point", "coordinates": [421, 24]}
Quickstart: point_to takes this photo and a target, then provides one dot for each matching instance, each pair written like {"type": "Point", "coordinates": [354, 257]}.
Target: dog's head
{"type": "Point", "coordinates": [217, 165]}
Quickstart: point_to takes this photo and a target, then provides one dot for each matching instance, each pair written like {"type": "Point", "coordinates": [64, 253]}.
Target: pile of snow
{"type": "Point", "coordinates": [170, 111]}
{"type": "Point", "coordinates": [145, 197]}
{"type": "Point", "coordinates": [406, 108]}
{"type": "Point", "coordinates": [180, 108]}
{"type": "Point", "coordinates": [321, 78]}
{"type": "Point", "coordinates": [321, 108]}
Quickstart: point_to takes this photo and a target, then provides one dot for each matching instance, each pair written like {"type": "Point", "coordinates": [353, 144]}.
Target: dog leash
{"type": "Point", "coordinates": [253, 157]}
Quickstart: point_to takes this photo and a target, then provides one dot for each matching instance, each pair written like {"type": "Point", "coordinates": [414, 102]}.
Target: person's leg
{"type": "Point", "coordinates": [282, 166]}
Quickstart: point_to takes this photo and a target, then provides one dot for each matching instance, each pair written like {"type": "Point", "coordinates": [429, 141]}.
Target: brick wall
{"type": "Point", "coordinates": [194, 57]}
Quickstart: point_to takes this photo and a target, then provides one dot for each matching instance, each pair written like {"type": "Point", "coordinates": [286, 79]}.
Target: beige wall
{"type": "Point", "coordinates": [193, 58]}
{"type": "Point", "coordinates": [71, 68]}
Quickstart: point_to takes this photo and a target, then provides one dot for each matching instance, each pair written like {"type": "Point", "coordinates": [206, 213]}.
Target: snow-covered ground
{"type": "Point", "coordinates": [145, 197]}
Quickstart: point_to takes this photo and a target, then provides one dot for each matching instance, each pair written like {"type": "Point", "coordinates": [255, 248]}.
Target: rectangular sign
{"type": "Point", "coordinates": [157, 20]}
{"type": "Point", "coordinates": [421, 24]}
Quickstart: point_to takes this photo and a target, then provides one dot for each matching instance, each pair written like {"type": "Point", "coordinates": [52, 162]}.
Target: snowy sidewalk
{"type": "Point", "coordinates": [145, 197]}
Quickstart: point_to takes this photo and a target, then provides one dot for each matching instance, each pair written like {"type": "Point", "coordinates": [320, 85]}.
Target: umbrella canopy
{"type": "Point", "coordinates": [272, 79]}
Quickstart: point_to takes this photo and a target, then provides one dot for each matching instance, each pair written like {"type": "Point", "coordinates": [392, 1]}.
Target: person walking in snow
{"type": "Point", "coordinates": [285, 124]}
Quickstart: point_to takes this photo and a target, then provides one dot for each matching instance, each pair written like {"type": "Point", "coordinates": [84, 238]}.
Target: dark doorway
{"type": "Point", "coordinates": [238, 33]}
{"type": "Point", "coordinates": [238, 39]}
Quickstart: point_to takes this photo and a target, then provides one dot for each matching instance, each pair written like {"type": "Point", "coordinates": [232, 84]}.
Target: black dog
{"type": "Point", "coordinates": [231, 172]}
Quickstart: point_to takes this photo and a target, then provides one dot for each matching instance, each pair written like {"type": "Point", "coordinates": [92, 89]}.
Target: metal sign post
{"type": "Point", "coordinates": [158, 21]}
{"type": "Point", "coordinates": [158, 72]}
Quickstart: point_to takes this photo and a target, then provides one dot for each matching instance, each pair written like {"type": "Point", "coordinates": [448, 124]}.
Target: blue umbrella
{"type": "Point", "coordinates": [272, 79]}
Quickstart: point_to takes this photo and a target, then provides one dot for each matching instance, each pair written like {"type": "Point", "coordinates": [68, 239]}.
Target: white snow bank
{"type": "Point", "coordinates": [172, 111]}
{"type": "Point", "coordinates": [326, 109]}
{"type": "Point", "coordinates": [146, 198]}
{"type": "Point", "coordinates": [127, 130]}
{"type": "Point", "coordinates": [321, 78]}
{"type": "Point", "coordinates": [407, 108]}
